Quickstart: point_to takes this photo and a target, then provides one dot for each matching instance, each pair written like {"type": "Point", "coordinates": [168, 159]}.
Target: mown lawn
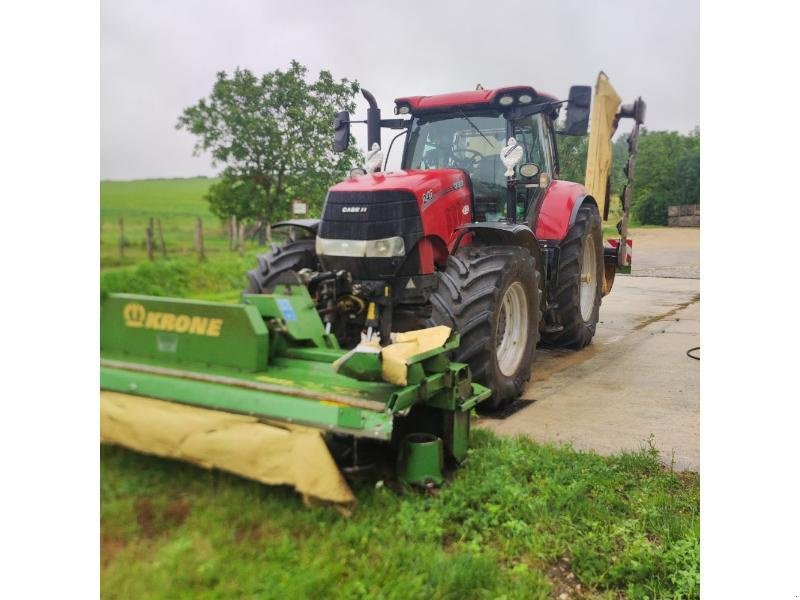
{"type": "Point", "coordinates": [519, 520]}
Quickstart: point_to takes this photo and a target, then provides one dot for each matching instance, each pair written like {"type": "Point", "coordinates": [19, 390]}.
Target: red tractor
{"type": "Point", "coordinates": [476, 231]}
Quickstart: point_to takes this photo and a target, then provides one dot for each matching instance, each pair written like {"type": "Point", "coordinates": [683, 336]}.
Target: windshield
{"type": "Point", "coordinates": [473, 142]}
{"type": "Point", "coordinates": [459, 141]}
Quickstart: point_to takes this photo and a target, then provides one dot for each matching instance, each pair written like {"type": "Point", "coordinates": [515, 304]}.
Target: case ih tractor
{"type": "Point", "coordinates": [476, 232]}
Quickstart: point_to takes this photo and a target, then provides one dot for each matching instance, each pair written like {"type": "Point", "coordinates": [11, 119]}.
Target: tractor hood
{"type": "Point", "coordinates": [372, 224]}
{"type": "Point", "coordinates": [425, 184]}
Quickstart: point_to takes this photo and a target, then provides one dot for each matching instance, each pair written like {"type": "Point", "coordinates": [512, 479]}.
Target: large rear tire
{"type": "Point", "coordinates": [579, 285]}
{"type": "Point", "coordinates": [490, 295]}
{"type": "Point", "coordinates": [291, 256]}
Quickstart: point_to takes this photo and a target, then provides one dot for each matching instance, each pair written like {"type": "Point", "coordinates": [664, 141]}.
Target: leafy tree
{"type": "Point", "coordinates": [274, 134]}
{"type": "Point", "coordinates": [572, 151]}
{"type": "Point", "coordinates": [667, 173]}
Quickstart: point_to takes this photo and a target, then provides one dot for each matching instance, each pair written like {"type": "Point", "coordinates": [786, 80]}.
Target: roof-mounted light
{"type": "Point", "coordinates": [525, 99]}
{"type": "Point", "coordinates": [402, 109]}
{"type": "Point", "coordinates": [506, 100]}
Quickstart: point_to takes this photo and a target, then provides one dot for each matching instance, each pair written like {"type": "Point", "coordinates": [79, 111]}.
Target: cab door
{"type": "Point", "coordinates": [532, 133]}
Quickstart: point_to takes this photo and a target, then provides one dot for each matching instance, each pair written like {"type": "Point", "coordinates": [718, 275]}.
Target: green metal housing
{"type": "Point", "coordinates": [270, 357]}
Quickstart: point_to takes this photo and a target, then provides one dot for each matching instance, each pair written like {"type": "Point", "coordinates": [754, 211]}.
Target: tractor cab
{"type": "Point", "coordinates": [474, 142]}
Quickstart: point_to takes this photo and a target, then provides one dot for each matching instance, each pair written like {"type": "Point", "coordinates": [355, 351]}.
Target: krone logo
{"type": "Point", "coordinates": [133, 314]}
{"type": "Point", "coordinates": [136, 316]}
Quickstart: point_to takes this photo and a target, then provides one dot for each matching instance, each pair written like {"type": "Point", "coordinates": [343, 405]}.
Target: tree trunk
{"type": "Point", "coordinates": [161, 239]}
{"type": "Point", "coordinates": [121, 238]}
{"type": "Point", "coordinates": [149, 233]}
{"type": "Point", "coordinates": [234, 230]}
{"type": "Point", "coordinates": [269, 233]}
{"type": "Point", "coordinates": [198, 239]}
{"type": "Point", "coordinates": [241, 238]}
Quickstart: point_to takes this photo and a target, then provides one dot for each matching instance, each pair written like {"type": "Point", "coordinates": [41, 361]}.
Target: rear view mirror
{"type": "Point", "coordinates": [580, 100]}
{"type": "Point", "coordinates": [635, 111]}
{"type": "Point", "coordinates": [341, 131]}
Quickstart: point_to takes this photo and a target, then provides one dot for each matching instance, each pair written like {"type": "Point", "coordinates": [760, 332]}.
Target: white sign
{"type": "Point", "coordinates": [299, 208]}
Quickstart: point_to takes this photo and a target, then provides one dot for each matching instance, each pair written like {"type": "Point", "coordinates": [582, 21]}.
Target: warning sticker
{"type": "Point", "coordinates": [287, 310]}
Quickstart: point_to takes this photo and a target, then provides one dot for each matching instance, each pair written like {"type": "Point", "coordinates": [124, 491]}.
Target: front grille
{"type": "Point", "coordinates": [371, 216]}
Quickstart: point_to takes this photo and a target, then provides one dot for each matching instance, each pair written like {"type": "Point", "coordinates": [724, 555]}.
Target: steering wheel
{"type": "Point", "coordinates": [472, 158]}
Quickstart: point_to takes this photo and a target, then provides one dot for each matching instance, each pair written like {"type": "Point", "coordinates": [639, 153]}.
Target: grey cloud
{"type": "Point", "coordinates": [158, 57]}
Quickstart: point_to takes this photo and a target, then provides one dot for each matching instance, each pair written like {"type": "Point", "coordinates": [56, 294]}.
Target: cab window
{"type": "Point", "coordinates": [531, 133]}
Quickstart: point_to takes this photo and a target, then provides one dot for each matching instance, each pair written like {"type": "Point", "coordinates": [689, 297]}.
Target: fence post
{"type": "Point", "coordinates": [161, 239]}
{"type": "Point", "coordinates": [241, 238]}
{"type": "Point", "coordinates": [198, 239]}
{"type": "Point", "coordinates": [149, 233]}
{"type": "Point", "coordinates": [121, 238]}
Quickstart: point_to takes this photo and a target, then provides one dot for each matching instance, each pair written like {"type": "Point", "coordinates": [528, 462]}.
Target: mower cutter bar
{"type": "Point", "coordinates": [264, 401]}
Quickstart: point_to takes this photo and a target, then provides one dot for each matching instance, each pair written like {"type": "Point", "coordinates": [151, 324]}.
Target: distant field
{"type": "Point", "coordinates": [177, 202]}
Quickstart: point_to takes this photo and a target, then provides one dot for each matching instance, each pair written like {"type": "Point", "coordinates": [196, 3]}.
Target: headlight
{"type": "Point", "coordinates": [393, 246]}
{"type": "Point", "coordinates": [526, 98]}
{"type": "Point", "coordinates": [384, 248]}
{"type": "Point", "coordinates": [506, 100]}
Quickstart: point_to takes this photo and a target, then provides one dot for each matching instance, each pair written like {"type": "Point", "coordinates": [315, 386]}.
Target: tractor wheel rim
{"type": "Point", "coordinates": [512, 329]}
{"type": "Point", "coordinates": [588, 279]}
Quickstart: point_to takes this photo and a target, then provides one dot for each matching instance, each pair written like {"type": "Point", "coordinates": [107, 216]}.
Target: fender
{"type": "Point", "coordinates": [311, 225]}
{"type": "Point", "coordinates": [504, 234]}
{"type": "Point", "coordinates": [559, 209]}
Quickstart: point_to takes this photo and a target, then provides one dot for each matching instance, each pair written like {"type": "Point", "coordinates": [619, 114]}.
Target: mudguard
{"type": "Point", "coordinates": [516, 234]}
{"type": "Point", "coordinates": [310, 225]}
{"type": "Point", "coordinates": [559, 208]}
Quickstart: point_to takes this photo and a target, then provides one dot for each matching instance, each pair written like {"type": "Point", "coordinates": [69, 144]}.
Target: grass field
{"type": "Point", "coordinates": [519, 520]}
{"type": "Point", "coordinates": [176, 202]}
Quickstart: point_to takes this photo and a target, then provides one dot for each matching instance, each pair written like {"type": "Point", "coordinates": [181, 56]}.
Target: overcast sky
{"type": "Point", "coordinates": [158, 57]}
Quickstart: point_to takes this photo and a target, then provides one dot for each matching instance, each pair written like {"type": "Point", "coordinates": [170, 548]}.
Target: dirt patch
{"type": "Point", "coordinates": [670, 313]}
{"type": "Point", "coordinates": [248, 533]}
{"type": "Point", "coordinates": [145, 516]}
{"type": "Point", "coordinates": [110, 546]}
{"type": "Point", "coordinates": [554, 360]}
{"type": "Point", "coordinates": [177, 511]}
{"type": "Point", "coordinates": [154, 520]}
{"type": "Point", "coordinates": [565, 584]}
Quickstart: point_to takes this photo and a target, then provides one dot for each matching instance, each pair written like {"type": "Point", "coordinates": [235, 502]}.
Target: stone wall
{"type": "Point", "coordinates": [687, 215]}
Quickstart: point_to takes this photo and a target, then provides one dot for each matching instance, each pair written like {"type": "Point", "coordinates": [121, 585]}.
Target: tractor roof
{"type": "Point", "coordinates": [470, 99]}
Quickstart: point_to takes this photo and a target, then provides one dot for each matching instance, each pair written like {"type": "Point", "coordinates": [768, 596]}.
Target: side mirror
{"type": "Point", "coordinates": [529, 170]}
{"type": "Point", "coordinates": [580, 100]}
{"type": "Point", "coordinates": [635, 111]}
{"type": "Point", "coordinates": [341, 131]}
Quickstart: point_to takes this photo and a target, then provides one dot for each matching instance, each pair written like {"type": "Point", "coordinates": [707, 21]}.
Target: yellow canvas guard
{"type": "Point", "coordinates": [394, 365]}
{"type": "Point", "coordinates": [275, 454]}
{"type": "Point", "coordinates": [601, 128]}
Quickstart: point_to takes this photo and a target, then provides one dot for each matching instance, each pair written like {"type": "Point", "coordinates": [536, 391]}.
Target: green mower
{"type": "Point", "coordinates": [257, 387]}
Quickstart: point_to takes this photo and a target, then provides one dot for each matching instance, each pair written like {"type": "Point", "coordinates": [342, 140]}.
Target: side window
{"type": "Point", "coordinates": [531, 133]}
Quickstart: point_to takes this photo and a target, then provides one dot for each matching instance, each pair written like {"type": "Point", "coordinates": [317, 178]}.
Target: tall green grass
{"type": "Point", "coordinates": [519, 520]}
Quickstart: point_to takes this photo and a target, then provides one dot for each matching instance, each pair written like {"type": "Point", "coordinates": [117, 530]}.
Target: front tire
{"type": "Point", "coordinates": [579, 284]}
{"type": "Point", "coordinates": [490, 295]}
{"type": "Point", "coordinates": [291, 256]}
